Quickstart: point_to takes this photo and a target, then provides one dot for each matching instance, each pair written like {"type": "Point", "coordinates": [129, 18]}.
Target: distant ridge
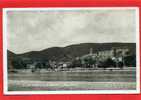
{"type": "Point", "coordinates": [71, 51]}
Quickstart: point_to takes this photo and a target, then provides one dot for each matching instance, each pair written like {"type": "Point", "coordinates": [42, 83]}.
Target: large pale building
{"type": "Point", "coordinates": [104, 54]}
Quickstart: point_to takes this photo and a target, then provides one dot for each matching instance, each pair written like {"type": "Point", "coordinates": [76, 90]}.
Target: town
{"type": "Point", "coordinates": [114, 58]}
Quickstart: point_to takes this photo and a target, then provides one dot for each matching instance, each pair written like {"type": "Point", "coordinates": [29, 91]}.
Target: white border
{"type": "Point", "coordinates": [5, 76]}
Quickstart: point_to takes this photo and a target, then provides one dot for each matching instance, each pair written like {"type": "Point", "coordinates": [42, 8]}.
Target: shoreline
{"type": "Point", "coordinates": [74, 70]}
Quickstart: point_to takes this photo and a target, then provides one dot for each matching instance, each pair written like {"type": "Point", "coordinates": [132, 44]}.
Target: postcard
{"type": "Point", "coordinates": [79, 50]}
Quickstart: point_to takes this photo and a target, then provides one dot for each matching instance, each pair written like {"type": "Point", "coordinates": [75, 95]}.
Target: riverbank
{"type": "Point", "coordinates": [74, 70]}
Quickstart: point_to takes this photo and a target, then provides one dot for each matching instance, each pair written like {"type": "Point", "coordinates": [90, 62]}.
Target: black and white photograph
{"type": "Point", "coordinates": [71, 50]}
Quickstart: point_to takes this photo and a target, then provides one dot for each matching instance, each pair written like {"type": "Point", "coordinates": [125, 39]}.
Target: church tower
{"type": "Point", "coordinates": [91, 51]}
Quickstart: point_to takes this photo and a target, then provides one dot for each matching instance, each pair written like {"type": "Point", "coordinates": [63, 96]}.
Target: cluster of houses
{"type": "Point", "coordinates": [114, 57]}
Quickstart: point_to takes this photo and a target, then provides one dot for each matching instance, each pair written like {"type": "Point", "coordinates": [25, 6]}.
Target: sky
{"type": "Point", "coordinates": [35, 30]}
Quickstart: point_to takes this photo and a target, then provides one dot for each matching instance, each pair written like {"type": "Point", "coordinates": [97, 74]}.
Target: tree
{"type": "Point", "coordinates": [130, 60]}
{"type": "Point", "coordinates": [18, 64]}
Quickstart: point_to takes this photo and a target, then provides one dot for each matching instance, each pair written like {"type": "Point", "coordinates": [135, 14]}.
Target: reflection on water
{"type": "Point", "coordinates": [94, 76]}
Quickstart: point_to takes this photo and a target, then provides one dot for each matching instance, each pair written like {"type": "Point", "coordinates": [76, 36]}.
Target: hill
{"type": "Point", "coordinates": [72, 51]}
